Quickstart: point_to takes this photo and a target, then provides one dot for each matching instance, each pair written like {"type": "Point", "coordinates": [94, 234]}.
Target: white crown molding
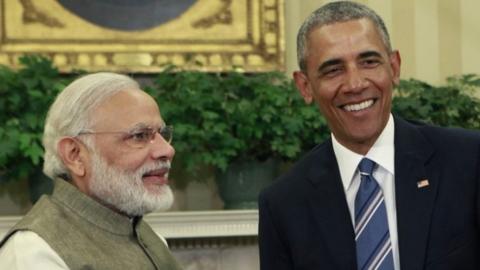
{"type": "Point", "coordinates": [187, 224]}
{"type": "Point", "coordinates": [195, 224]}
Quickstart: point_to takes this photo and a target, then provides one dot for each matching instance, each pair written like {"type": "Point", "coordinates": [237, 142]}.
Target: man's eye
{"type": "Point", "coordinates": [140, 136]}
{"type": "Point", "coordinates": [370, 62]}
{"type": "Point", "coordinates": [331, 72]}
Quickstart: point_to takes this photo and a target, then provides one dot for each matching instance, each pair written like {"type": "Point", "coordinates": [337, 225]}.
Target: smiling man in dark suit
{"type": "Point", "coordinates": [382, 193]}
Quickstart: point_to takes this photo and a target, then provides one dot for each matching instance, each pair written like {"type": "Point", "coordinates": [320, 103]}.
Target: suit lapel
{"type": "Point", "coordinates": [414, 197]}
{"type": "Point", "coordinates": [330, 209]}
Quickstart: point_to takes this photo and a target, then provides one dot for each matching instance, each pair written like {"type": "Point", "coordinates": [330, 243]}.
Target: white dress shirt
{"type": "Point", "coordinates": [382, 153]}
{"type": "Point", "coordinates": [26, 250]}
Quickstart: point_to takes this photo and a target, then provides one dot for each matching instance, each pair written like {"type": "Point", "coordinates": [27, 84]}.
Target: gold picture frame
{"type": "Point", "coordinates": [211, 35]}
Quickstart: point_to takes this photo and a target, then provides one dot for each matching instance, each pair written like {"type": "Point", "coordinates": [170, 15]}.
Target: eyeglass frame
{"type": "Point", "coordinates": [129, 135]}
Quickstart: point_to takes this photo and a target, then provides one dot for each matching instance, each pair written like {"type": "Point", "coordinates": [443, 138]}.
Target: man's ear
{"type": "Point", "coordinates": [303, 86]}
{"type": "Point", "coordinates": [395, 63]}
{"type": "Point", "coordinates": [71, 151]}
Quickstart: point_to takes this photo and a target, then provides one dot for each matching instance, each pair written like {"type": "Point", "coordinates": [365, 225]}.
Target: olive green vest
{"type": "Point", "coordinates": [88, 235]}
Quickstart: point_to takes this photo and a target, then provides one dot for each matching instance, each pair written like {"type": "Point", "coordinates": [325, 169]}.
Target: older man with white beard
{"type": "Point", "coordinates": [108, 151]}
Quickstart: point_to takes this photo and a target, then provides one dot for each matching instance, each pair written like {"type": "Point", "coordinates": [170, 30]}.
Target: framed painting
{"type": "Point", "coordinates": [142, 36]}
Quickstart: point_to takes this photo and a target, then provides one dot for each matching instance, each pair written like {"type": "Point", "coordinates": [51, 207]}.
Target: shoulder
{"type": "Point", "coordinates": [48, 220]}
{"type": "Point", "coordinates": [442, 137]}
{"type": "Point", "coordinates": [43, 213]}
{"type": "Point", "coordinates": [295, 181]}
{"type": "Point", "coordinates": [440, 146]}
{"type": "Point", "coordinates": [27, 250]}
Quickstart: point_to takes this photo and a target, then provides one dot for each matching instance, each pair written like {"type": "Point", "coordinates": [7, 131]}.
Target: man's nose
{"type": "Point", "coordinates": [355, 81]}
{"type": "Point", "coordinates": [161, 148]}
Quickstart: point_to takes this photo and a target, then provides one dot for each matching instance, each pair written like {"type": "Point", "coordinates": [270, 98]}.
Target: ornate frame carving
{"type": "Point", "coordinates": [219, 34]}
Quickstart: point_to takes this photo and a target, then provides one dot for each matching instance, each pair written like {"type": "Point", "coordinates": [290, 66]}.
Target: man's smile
{"type": "Point", "coordinates": [159, 176]}
{"type": "Point", "coordinates": [358, 106]}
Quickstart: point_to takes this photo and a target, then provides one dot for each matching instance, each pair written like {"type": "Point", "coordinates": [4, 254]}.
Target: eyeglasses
{"type": "Point", "coordinates": [139, 138]}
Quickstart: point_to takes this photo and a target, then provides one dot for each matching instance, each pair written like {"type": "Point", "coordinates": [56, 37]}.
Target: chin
{"type": "Point", "coordinates": [156, 189]}
{"type": "Point", "coordinates": [366, 134]}
{"type": "Point", "coordinates": [159, 198]}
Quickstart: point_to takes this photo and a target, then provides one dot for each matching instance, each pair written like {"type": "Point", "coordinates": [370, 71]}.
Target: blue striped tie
{"type": "Point", "coordinates": [374, 249]}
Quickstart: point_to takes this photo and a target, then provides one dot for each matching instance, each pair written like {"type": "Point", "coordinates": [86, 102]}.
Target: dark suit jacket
{"type": "Point", "coordinates": [305, 221]}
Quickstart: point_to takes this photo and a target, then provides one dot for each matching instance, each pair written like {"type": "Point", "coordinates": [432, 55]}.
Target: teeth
{"type": "Point", "coordinates": [359, 106]}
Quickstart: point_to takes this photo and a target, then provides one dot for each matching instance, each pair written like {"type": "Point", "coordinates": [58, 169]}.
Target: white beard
{"type": "Point", "coordinates": [125, 191]}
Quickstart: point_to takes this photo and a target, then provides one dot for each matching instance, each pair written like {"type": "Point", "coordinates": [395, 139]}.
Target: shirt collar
{"type": "Point", "coordinates": [382, 152]}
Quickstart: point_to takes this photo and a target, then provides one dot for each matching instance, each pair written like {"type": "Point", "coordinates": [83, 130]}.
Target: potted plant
{"type": "Point", "coordinates": [242, 125]}
{"type": "Point", "coordinates": [454, 104]}
{"type": "Point", "coordinates": [26, 95]}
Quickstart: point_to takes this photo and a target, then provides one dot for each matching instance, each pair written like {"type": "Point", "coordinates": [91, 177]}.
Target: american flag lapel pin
{"type": "Point", "coordinates": [423, 183]}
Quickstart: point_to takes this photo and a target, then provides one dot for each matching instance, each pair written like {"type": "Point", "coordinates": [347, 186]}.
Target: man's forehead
{"type": "Point", "coordinates": [127, 109]}
{"type": "Point", "coordinates": [362, 24]}
{"type": "Point", "coordinates": [363, 27]}
{"type": "Point", "coordinates": [352, 32]}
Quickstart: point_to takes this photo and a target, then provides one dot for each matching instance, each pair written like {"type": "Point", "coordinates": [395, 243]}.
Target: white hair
{"type": "Point", "coordinates": [71, 111]}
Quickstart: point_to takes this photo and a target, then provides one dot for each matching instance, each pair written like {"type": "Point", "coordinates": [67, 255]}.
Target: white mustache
{"type": "Point", "coordinates": [160, 165]}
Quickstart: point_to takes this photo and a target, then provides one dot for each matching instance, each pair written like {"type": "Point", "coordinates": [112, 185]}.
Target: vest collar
{"type": "Point", "coordinates": [89, 209]}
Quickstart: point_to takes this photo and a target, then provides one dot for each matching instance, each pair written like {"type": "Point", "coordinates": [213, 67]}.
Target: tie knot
{"type": "Point", "coordinates": [366, 166]}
